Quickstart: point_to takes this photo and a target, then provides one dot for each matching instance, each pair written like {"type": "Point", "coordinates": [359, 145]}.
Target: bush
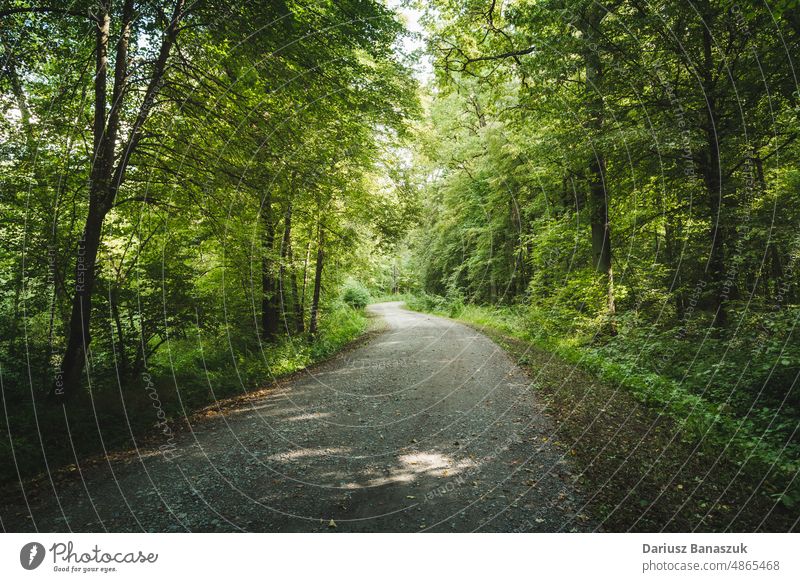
{"type": "Point", "coordinates": [355, 295]}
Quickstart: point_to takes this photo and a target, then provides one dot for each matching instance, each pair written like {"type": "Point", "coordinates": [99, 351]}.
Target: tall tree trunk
{"type": "Point", "coordinates": [113, 299]}
{"type": "Point", "coordinates": [305, 272]}
{"type": "Point", "coordinates": [270, 310]}
{"type": "Point", "coordinates": [671, 249]}
{"type": "Point", "coordinates": [601, 232]}
{"type": "Point", "coordinates": [299, 324]}
{"type": "Point", "coordinates": [287, 258]}
{"type": "Point", "coordinates": [598, 191]}
{"type": "Point", "coordinates": [711, 171]}
{"type": "Point", "coordinates": [105, 178]}
{"type": "Point", "coordinates": [312, 325]}
{"type": "Point", "coordinates": [69, 375]}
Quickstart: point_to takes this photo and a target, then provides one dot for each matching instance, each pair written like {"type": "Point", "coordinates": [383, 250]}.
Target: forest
{"type": "Point", "coordinates": [200, 197]}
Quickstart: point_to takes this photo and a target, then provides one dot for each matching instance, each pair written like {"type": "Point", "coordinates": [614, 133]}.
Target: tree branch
{"type": "Point", "coordinates": [506, 55]}
{"type": "Point", "coordinates": [47, 10]}
{"type": "Point", "coordinates": [153, 88]}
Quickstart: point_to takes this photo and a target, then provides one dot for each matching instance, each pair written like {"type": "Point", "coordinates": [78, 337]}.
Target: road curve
{"type": "Point", "coordinates": [427, 427]}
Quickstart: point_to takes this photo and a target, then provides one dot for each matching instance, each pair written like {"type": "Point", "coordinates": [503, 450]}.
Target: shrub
{"type": "Point", "coordinates": [355, 294]}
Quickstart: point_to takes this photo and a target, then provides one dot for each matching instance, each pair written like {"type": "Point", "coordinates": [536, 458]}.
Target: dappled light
{"type": "Point", "coordinates": [414, 467]}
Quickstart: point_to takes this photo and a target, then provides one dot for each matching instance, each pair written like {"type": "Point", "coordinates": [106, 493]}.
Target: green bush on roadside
{"type": "Point", "coordinates": [355, 294]}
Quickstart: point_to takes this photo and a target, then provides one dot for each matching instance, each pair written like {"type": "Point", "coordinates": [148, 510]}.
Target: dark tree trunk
{"type": "Point", "coordinates": [711, 171]}
{"type": "Point", "coordinates": [113, 299]}
{"type": "Point", "coordinates": [601, 231]}
{"type": "Point", "coordinates": [671, 249]}
{"type": "Point", "coordinates": [601, 235]}
{"type": "Point", "coordinates": [69, 375]}
{"type": "Point", "coordinates": [312, 325]}
{"type": "Point", "coordinates": [305, 273]}
{"type": "Point", "coordinates": [299, 324]}
{"type": "Point", "coordinates": [287, 259]}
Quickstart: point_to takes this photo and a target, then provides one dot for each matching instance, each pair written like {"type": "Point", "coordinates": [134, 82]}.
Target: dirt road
{"type": "Point", "coordinates": [427, 427]}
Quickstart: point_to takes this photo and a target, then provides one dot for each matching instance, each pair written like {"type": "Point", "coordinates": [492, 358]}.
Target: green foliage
{"type": "Point", "coordinates": [355, 294]}
{"type": "Point", "coordinates": [342, 325]}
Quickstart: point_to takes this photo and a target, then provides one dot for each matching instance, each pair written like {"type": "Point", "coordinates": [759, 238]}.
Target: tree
{"type": "Point", "coordinates": [110, 156]}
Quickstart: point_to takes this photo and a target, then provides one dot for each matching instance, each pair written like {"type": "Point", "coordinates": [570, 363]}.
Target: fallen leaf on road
{"type": "Point", "coordinates": [331, 523]}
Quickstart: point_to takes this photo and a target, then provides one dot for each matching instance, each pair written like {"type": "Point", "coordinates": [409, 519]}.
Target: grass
{"type": "Point", "coordinates": [650, 454]}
